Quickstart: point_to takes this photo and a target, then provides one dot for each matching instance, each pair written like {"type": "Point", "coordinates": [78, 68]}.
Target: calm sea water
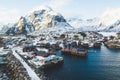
{"type": "Point", "coordinates": [100, 64]}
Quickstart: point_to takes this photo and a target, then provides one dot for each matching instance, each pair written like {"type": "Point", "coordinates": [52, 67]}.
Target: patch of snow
{"type": "Point", "coordinates": [108, 33]}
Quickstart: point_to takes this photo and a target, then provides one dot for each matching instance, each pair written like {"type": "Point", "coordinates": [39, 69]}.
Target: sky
{"type": "Point", "coordinates": [11, 10]}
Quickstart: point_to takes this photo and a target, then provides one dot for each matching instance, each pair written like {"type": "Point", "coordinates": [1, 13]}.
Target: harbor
{"type": "Point", "coordinates": [59, 40]}
{"type": "Point", "coordinates": [34, 57]}
{"type": "Point", "coordinates": [100, 64]}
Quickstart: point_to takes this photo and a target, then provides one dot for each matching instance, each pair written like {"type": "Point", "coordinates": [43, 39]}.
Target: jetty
{"type": "Point", "coordinates": [74, 52]}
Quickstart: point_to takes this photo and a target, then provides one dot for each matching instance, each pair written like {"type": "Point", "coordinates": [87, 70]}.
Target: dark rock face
{"type": "Point", "coordinates": [12, 31]}
{"type": "Point", "coordinates": [40, 13]}
{"type": "Point", "coordinates": [59, 19]}
{"type": "Point", "coordinates": [26, 26]}
{"type": "Point", "coordinates": [22, 26]}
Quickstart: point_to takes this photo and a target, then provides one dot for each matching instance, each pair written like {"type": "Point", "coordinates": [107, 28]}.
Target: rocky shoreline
{"type": "Point", "coordinates": [112, 44]}
{"type": "Point", "coordinates": [14, 69]}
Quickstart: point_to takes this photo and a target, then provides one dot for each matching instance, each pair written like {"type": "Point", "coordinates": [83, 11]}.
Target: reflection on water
{"type": "Point", "coordinates": [100, 64]}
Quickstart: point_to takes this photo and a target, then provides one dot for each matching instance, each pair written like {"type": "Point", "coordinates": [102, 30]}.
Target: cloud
{"type": "Point", "coordinates": [9, 15]}
{"type": "Point", "coordinates": [59, 3]}
{"type": "Point", "coordinates": [61, 6]}
{"type": "Point", "coordinates": [56, 5]}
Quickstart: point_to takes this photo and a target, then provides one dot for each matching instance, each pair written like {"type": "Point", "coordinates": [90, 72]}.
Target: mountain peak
{"type": "Point", "coordinates": [41, 8]}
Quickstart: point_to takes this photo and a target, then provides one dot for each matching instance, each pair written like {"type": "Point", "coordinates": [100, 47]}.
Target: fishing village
{"type": "Point", "coordinates": [23, 55]}
{"type": "Point", "coordinates": [59, 40]}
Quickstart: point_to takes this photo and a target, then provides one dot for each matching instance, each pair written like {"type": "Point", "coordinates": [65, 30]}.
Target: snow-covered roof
{"type": "Point", "coordinates": [50, 57]}
{"type": "Point", "coordinates": [42, 49]}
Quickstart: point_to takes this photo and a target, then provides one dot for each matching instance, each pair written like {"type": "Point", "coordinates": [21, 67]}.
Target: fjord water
{"type": "Point", "coordinates": [100, 64]}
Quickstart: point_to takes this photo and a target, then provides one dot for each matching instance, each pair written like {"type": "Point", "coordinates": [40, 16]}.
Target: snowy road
{"type": "Point", "coordinates": [31, 73]}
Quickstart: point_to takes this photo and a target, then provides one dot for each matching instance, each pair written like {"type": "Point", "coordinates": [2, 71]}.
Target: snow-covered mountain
{"type": "Point", "coordinates": [44, 17]}
{"type": "Point", "coordinates": [110, 16]}
{"type": "Point", "coordinates": [39, 18]}
{"type": "Point", "coordinates": [108, 21]}
{"type": "Point", "coordinates": [114, 27]}
{"type": "Point", "coordinates": [84, 25]}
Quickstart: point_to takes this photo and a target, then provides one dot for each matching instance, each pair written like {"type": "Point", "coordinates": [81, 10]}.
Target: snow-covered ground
{"type": "Point", "coordinates": [108, 33]}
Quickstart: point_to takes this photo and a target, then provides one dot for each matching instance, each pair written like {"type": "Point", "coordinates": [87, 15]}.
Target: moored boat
{"type": "Point", "coordinates": [74, 52]}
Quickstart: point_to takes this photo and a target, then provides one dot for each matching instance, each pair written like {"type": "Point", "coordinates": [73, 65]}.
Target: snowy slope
{"type": "Point", "coordinates": [84, 25]}
{"type": "Point", "coordinates": [110, 16]}
{"type": "Point", "coordinates": [108, 21]}
{"type": "Point", "coordinates": [114, 27]}
{"type": "Point", "coordinates": [5, 27]}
